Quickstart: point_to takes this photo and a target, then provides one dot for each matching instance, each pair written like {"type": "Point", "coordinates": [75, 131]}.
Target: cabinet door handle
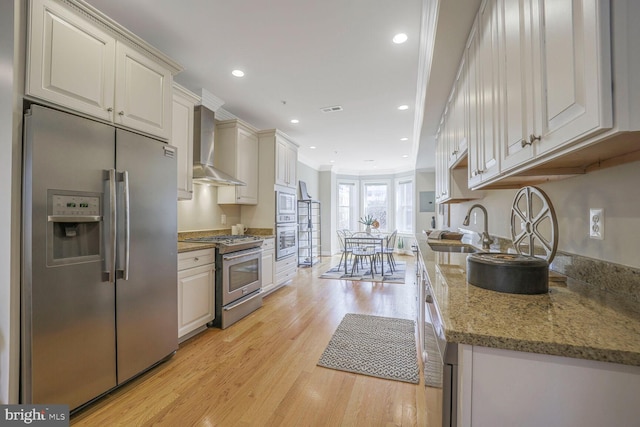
{"type": "Point", "coordinates": [110, 109]}
{"type": "Point", "coordinates": [121, 113]}
{"type": "Point", "coordinates": [196, 259]}
{"type": "Point", "coordinates": [524, 143]}
{"type": "Point", "coordinates": [533, 138]}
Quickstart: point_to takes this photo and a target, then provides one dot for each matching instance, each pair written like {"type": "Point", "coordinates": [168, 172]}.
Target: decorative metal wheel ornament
{"type": "Point", "coordinates": [534, 226]}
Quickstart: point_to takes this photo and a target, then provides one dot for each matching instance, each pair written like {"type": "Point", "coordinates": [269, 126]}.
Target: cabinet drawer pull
{"type": "Point", "coordinates": [196, 259]}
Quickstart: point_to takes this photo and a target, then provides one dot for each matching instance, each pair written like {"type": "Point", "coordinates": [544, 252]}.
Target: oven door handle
{"type": "Point", "coordinates": [242, 301]}
{"type": "Point", "coordinates": [242, 255]}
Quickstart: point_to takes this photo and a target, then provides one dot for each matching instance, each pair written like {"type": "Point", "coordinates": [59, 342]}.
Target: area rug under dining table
{"type": "Point", "coordinates": [381, 347]}
{"type": "Point", "coordinates": [364, 274]}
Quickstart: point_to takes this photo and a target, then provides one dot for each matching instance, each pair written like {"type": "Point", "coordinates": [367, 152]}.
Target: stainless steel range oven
{"type": "Point", "coordinates": [238, 278]}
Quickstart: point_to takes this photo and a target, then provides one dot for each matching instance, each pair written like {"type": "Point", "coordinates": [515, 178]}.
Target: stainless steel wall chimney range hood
{"type": "Point", "coordinates": [203, 151]}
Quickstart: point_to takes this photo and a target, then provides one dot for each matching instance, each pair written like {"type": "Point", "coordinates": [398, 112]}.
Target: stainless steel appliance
{"type": "Point", "coordinates": [286, 205]}
{"type": "Point", "coordinates": [286, 240]}
{"type": "Point", "coordinates": [99, 261]}
{"type": "Point", "coordinates": [286, 223]}
{"type": "Point", "coordinates": [238, 279]}
{"type": "Point", "coordinates": [204, 150]}
{"type": "Point", "coordinates": [446, 354]}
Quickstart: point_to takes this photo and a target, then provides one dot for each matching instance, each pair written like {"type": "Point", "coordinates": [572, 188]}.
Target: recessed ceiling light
{"type": "Point", "coordinates": [238, 73]}
{"type": "Point", "coordinates": [313, 147]}
{"type": "Point", "coordinates": [400, 38]}
{"type": "Point", "coordinates": [403, 107]}
{"type": "Point", "coordinates": [332, 161]}
{"type": "Point", "coordinates": [294, 121]}
{"type": "Point", "coordinates": [404, 156]}
{"type": "Point", "coordinates": [404, 139]}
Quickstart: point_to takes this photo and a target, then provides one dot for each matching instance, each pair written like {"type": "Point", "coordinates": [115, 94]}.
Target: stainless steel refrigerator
{"type": "Point", "coordinates": [99, 262]}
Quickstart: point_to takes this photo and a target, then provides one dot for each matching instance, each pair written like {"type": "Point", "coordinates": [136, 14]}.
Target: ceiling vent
{"type": "Point", "coordinates": [331, 109]}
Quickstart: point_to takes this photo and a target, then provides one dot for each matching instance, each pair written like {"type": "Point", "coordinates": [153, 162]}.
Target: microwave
{"type": "Point", "coordinates": [286, 206]}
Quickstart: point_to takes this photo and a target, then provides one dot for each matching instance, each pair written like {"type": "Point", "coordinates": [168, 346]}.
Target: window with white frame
{"type": "Point", "coordinates": [375, 202]}
{"type": "Point", "coordinates": [404, 205]}
{"type": "Point", "coordinates": [347, 205]}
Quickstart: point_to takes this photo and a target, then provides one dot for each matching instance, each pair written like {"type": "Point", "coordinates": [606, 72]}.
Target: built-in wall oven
{"type": "Point", "coordinates": [286, 205]}
{"type": "Point", "coordinates": [286, 240]}
{"type": "Point", "coordinates": [286, 223]}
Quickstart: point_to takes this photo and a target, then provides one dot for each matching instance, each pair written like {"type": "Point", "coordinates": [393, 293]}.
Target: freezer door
{"type": "Point", "coordinates": [68, 320]}
{"type": "Point", "coordinates": [146, 287]}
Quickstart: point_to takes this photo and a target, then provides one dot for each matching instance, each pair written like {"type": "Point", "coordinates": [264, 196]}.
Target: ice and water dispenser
{"type": "Point", "coordinates": [73, 230]}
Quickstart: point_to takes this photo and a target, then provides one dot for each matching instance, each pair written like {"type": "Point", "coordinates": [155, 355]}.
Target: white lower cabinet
{"type": "Point", "coordinates": [499, 387]}
{"type": "Point", "coordinates": [286, 269]}
{"type": "Point", "coordinates": [196, 291]}
{"type": "Point", "coordinates": [268, 266]}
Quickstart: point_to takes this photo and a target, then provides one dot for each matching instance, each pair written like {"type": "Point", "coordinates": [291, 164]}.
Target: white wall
{"type": "Point", "coordinates": [327, 191]}
{"type": "Point", "coordinates": [614, 189]}
{"type": "Point", "coordinates": [425, 181]}
{"type": "Point", "coordinates": [203, 212]}
{"type": "Point", "coordinates": [310, 177]}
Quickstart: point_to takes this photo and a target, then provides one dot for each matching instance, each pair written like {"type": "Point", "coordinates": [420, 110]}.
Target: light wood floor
{"type": "Point", "coordinates": [262, 371]}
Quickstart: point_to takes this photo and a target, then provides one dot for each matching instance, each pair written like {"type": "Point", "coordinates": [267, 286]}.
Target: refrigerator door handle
{"type": "Point", "coordinates": [127, 225]}
{"type": "Point", "coordinates": [109, 260]}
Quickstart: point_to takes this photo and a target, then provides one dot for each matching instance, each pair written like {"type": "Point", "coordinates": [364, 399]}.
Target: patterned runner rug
{"type": "Point", "coordinates": [364, 274]}
{"type": "Point", "coordinates": [376, 346]}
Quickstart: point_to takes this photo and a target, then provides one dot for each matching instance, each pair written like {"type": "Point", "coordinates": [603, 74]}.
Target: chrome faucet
{"type": "Point", "coordinates": [486, 239]}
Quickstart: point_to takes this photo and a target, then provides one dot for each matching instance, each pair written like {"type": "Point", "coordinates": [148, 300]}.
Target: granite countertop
{"type": "Point", "coordinates": [193, 246]}
{"type": "Point", "coordinates": [188, 247]}
{"type": "Point", "coordinates": [572, 320]}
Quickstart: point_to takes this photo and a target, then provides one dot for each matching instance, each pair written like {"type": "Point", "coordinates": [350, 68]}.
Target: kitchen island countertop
{"type": "Point", "coordinates": [573, 320]}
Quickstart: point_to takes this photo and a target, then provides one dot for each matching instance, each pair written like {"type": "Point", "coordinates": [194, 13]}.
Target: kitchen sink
{"type": "Point", "coordinates": [454, 248]}
{"type": "Point", "coordinates": [508, 273]}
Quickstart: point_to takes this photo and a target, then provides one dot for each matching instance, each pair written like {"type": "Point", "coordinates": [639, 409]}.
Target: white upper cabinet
{"type": "Point", "coordinates": [539, 88]}
{"type": "Point", "coordinates": [237, 154]}
{"type": "Point", "coordinates": [143, 94]}
{"type": "Point", "coordinates": [182, 138]}
{"type": "Point", "coordinates": [80, 60]}
{"type": "Point", "coordinates": [519, 37]}
{"type": "Point", "coordinates": [576, 78]}
{"type": "Point", "coordinates": [286, 163]}
{"type": "Point", "coordinates": [458, 117]}
{"type": "Point", "coordinates": [557, 77]}
{"type": "Point", "coordinates": [482, 56]}
{"type": "Point", "coordinates": [70, 61]}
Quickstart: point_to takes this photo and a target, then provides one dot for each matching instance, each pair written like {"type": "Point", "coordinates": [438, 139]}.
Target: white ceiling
{"type": "Point", "coordinates": [301, 56]}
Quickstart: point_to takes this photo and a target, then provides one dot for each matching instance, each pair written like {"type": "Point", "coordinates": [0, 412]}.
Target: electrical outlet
{"type": "Point", "coordinates": [596, 223]}
{"type": "Point", "coordinates": [223, 219]}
